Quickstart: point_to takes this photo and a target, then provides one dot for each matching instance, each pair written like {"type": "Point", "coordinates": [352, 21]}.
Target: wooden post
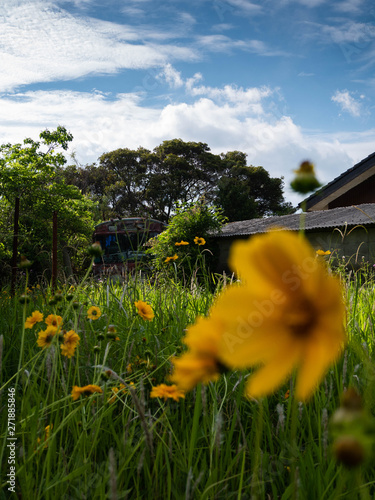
{"type": "Point", "coordinates": [15, 246]}
{"type": "Point", "coordinates": [54, 251]}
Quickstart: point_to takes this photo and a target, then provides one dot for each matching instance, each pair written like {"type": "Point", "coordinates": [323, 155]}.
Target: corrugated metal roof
{"type": "Point", "coordinates": [319, 219]}
{"type": "Point", "coordinates": [340, 181]}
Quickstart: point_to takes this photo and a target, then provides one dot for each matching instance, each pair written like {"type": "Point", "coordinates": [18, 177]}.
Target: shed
{"type": "Point", "coordinates": [347, 232]}
{"type": "Point", "coordinates": [355, 186]}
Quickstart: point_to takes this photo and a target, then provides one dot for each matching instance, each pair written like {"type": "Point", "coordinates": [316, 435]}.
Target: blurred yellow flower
{"type": "Point", "coordinates": [35, 317]}
{"type": "Point", "coordinates": [54, 320]}
{"type": "Point", "coordinates": [322, 252]}
{"type": "Point", "coordinates": [191, 369]}
{"type": "Point", "coordinates": [199, 241]}
{"type": "Point", "coordinates": [71, 340]}
{"type": "Point", "coordinates": [45, 337]}
{"type": "Point", "coordinates": [288, 312]}
{"type": "Point", "coordinates": [87, 390]}
{"type": "Point", "coordinates": [181, 243]}
{"type": "Point", "coordinates": [167, 391]}
{"type": "Point", "coordinates": [94, 313]}
{"type": "Point", "coordinates": [201, 362]}
{"type": "Point", "coordinates": [144, 310]}
{"type": "Point", "coordinates": [168, 259]}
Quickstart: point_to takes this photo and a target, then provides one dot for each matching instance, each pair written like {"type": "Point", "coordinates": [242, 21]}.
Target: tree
{"type": "Point", "coordinates": [247, 192]}
{"type": "Point", "coordinates": [29, 185]}
{"type": "Point", "coordinates": [184, 172]}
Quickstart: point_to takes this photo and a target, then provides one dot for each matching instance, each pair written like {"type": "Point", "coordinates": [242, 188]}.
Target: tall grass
{"type": "Point", "coordinates": [214, 444]}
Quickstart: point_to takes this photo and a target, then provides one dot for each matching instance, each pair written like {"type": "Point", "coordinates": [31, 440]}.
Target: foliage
{"type": "Point", "coordinates": [247, 192]}
{"type": "Point", "coordinates": [122, 443]}
{"type": "Point", "coordinates": [29, 173]}
{"type": "Point", "coordinates": [129, 183]}
{"type": "Point", "coordinates": [190, 221]}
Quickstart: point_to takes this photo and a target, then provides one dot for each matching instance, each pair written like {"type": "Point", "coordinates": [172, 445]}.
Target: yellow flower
{"type": "Point", "coordinates": [45, 337]}
{"type": "Point", "coordinates": [168, 259]}
{"type": "Point", "coordinates": [322, 252]}
{"type": "Point", "coordinates": [144, 310]}
{"type": "Point", "coordinates": [47, 432]}
{"type": "Point", "coordinates": [167, 391]}
{"type": "Point", "coordinates": [35, 317]}
{"type": "Point", "coordinates": [181, 243]}
{"type": "Point", "coordinates": [201, 363]}
{"type": "Point", "coordinates": [54, 320]}
{"type": "Point", "coordinates": [288, 313]}
{"type": "Point", "coordinates": [94, 313]}
{"type": "Point", "coordinates": [199, 241]}
{"type": "Point", "coordinates": [71, 340]}
{"type": "Point", "coordinates": [87, 390]}
{"type": "Point", "coordinates": [120, 389]}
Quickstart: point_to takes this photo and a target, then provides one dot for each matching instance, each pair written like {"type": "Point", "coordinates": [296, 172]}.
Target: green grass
{"type": "Point", "coordinates": [214, 444]}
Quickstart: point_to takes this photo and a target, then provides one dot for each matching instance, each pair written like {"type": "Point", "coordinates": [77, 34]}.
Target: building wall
{"type": "Point", "coordinates": [354, 244]}
{"type": "Point", "coordinates": [363, 193]}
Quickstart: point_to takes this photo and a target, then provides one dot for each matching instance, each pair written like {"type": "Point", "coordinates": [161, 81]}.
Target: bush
{"type": "Point", "coordinates": [185, 248]}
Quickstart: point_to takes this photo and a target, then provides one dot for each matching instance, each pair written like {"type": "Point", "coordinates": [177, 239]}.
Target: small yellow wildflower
{"type": "Point", "coordinates": [45, 337]}
{"type": "Point", "coordinates": [167, 391]}
{"type": "Point", "coordinates": [47, 432]}
{"type": "Point", "coordinates": [174, 257]}
{"type": "Point", "coordinates": [71, 340]}
{"type": "Point", "coordinates": [117, 390]}
{"type": "Point", "coordinates": [322, 252]}
{"type": "Point", "coordinates": [94, 313]}
{"type": "Point", "coordinates": [181, 243]}
{"type": "Point", "coordinates": [54, 320]}
{"type": "Point", "coordinates": [144, 310]}
{"type": "Point", "coordinates": [199, 241]}
{"type": "Point", "coordinates": [87, 390]}
{"type": "Point", "coordinates": [35, 317]}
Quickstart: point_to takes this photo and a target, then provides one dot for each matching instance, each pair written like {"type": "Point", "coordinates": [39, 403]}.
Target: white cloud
{"type": "Point", "coordinates": [42, 43]}
{"type": "Point", "coordinates": [101, 122]}
{"type": "Point", "coordinates": [171, 76]}
{"type": "Point", "coordinates": [347, 102]}
{"type": "Point", "coordinates": [223, 43]}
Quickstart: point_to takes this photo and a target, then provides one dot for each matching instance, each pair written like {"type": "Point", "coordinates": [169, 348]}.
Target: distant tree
{"type": "Point", "coordinates": [247, 192]}
{"type": "Point", "coordinates": [129, 183]}
{"type": "Point", "coordinates": [184, 172]}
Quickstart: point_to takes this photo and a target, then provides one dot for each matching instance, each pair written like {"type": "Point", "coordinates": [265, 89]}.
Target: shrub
{"type": "Point", "coordinates": [185, 247]}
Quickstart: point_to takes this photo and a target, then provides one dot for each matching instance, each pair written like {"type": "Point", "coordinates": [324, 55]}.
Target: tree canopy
{"type": "Point", "coordinates": [128, 183]}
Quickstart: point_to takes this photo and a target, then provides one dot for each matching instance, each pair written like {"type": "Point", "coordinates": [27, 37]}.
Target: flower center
{"type": "Point", "coordinates": [301, 318]}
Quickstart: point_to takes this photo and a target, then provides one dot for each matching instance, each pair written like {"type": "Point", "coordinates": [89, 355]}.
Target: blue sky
{"type": "Point", "coordinates": [282, 80]}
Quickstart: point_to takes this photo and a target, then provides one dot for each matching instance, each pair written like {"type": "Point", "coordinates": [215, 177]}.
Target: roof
{"type": "Point", "coordinates": [341, 184]}
{"type": "Point", "coordinates": [320, 219]}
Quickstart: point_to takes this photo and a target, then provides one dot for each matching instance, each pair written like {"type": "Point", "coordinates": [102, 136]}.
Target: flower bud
{"type": "Point", "coordinates": [305, 180]}
{"type": "Point", "coordinates": [25, 263]}
{"type": "Point", "coordinates": [24, 299]}
{"type": "Point", "coordinates": [95, 250]}
{"type": "Point", "coordinates": [349, 451]}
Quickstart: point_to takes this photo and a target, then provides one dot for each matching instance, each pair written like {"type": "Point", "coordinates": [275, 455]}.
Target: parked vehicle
{"type": "Point", "coordinates": [123, 243]}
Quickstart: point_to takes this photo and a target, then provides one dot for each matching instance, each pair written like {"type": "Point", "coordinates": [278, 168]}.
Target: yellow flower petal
{"type": "Point", "coordinates": [268, 378]}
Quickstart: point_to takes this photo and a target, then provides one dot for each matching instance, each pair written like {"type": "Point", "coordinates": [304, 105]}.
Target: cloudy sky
{"type": "Point", "coordinates": [282, 80]}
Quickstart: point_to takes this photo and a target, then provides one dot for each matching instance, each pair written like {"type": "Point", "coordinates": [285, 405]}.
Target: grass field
{"type": "Point", "coordinates": [121, 443]}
